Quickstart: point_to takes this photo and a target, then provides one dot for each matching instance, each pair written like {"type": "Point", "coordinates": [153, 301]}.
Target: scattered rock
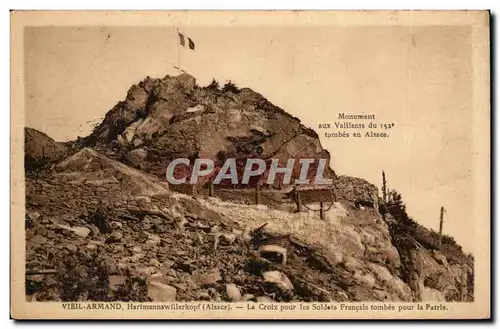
{"type": "Point", "coordinates": [116, 281]}
{"type": "Point", "coordinates": [212, 216]}
{"type": "Point", "coordinates": [138, 142]}
{"type": "Point", "coordinates": [78, 230]}
{"type": "Point", "coordinates": [97, 243]}
{"type": "Point", "coordinates": [160, 228]}
{"type": "Point", "coordinates": [273, 252]}
{"type": "Point", "coordinates": [128, 134]}
{"type": "Point", "coordinates": [308, 288]}
{"type": "Point", "coordinates": [146, 271]}
{"type": "Point", "coordinates": [167, 264]}
{"type": "Point", "coordinates": [115, 236]}
{"type": "Point", "coordinates": [154, 262]}
{"type": "Point", "coordinates": [136, 157]}
{"type": "Point", "coordinates": [64, 226]}
{"type": "Point", "coordinates": [116, 225]}
{"type": "Point", "coordinates": [38, 240]}
{"type": "Point", "coordinates": [201, 226]}
{"type": "Point", "coordinates": [159, 277]}
{"type": "Point", "coordinates": [214, 239]}
{"type": "Point", "coordinates": [94, 229]}
{"type": "Point", "coordinates": [153, 239]}
{"type": "Point", "coordinates": [159, 292]}
{"type": "Point", "coordinates": [136, 249]}
{"type": "Point", "coordinates": [227, 238]}
{"type": "Point", "coordinates": [323, 261]}
{"type": "Point", "coordinates": [198, 239]}
{"type": "Point", "coordinates": [352, 264]}
{"type": "Point", "coordinates": [237, 232]}
{"type": "Point", "coordinates": [186, 266]}
{"type": "Point", "coordinates": [91, 246]}
{"type": "Point", "coordinates": [366, 280]}
{"type": "Point", "coordinates": [33, 215]}
{"type": "Point", "coordinates": [208, 278]}
{"type": "Point", "coordinates": [233, 292]}
{"type": "Point", "coordinates": [203, 295]}
{"type": "Point", "coordinates": [71, 247]}
{"type": "Point", "coordinates": [81, 231]}
{"type": "Point", "coordinates": [279, 279]}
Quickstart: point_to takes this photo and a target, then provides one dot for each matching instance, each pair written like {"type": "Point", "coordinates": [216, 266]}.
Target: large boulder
{"type": "Point", "coordinates": [90, 167]}
{"type": "Point", "coordinates": [357, 190]}
{"type": "Point", "coordinates": [160, 292]}
{"type": "Point", "coordinates": [41, 150]}
{"type": "Point", "coordinates": [137, 157]}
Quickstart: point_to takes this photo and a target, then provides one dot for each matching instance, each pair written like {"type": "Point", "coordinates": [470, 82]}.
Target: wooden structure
{"type": "Point", "coordinates": [303, 194]}
{"type": "Point", "coordinates": [441, 217]}
{"type": "Point", "coordinates": [384, 187]}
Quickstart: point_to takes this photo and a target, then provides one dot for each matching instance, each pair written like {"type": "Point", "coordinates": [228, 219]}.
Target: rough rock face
{"type": "Point", "coordinates": [41, 150]}
{"type": "Point", "coordinates": [163, 119]}
{"type": "Point", "coordinates": [94, 168]}
{"type": "Point", "coordinates": [433, 279]}
{"type": "Point", "coordinates": [357, 190]}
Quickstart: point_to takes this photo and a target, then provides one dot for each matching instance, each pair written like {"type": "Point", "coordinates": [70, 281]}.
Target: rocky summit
{"type": "Point", "coordinates": [164, 119]}
{"type": "Point", "coordinates": [102, 224]}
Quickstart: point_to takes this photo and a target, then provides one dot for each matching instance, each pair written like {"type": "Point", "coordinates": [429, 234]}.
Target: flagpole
{"type": "Point", "coordinates": [178, 50]}
{"type": "Point", "coordinates": [176, 41]}
{"type": "Point", "coordinates": [181, 42]}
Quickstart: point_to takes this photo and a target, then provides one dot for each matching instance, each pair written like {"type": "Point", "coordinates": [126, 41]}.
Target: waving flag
{"type": "Point", "coordinates": [191, 44]}
{"type": "Point", "coordinates": [182, 41]}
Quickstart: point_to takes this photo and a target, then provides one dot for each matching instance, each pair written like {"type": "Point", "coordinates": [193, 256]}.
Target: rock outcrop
{"type": "Point", "coordinates": [164, 119]}
{"type": "Point", "coordinates": [40, 150]}
{"type": "Point", "coordinates": [89, 167]}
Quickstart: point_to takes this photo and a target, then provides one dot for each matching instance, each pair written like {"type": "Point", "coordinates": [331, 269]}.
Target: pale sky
{"type": "Point", "coordinates": [416, 77]}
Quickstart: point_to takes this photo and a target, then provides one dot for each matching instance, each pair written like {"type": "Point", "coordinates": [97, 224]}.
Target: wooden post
{"type": "Point", "coordinates": [297, 199]}
{"type": "Point", "coordinates": [440, 228]}
{"type": "Point", "coordinates": [299, 203]}
{"type": "Point", "coordinates": [211, 188]}
{"type": "Point", "coordinates": [384, 187]}
{"type": "Point", "coordinates": [334, 196]}
{"type": "Point", "coordinates": [321, 211]}
{"type": "Point", "coordinates": [257, 193]}
{"type": "Point", "coordinates": [463, 283]}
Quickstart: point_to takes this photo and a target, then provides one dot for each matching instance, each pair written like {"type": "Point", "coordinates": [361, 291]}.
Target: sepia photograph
{"type": "Point", "coordinates": [272, 164]}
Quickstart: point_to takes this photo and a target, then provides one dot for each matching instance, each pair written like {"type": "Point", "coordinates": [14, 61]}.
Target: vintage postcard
{"type": "Point", "coordinates": [250, 165]}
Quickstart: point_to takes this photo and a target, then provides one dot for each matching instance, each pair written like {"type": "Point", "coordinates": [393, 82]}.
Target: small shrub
{"type": "Point", "coordinates": [230, 87]}
{"type": "Point", "coordinates": [214, 85]}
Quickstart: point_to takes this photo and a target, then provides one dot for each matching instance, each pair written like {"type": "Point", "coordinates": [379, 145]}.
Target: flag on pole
{"type": "Point", "coordinates": [181, 39]}
{"type": "Point", "coordinates": [191, 44]}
